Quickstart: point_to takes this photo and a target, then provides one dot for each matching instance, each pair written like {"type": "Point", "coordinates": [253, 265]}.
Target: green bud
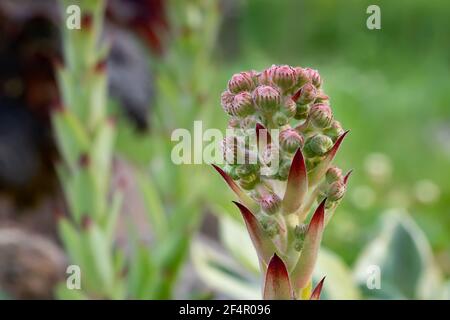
{"type": "Point", "coordinates": [231, 171]}
{"type": "Point", "coordinates": [249, 182]}
{"type": "Point", "coordinates": [269, 225]}
{"type": "Point", "coordinates": [321, 115]}
{"type": "Point", "coordinates": [245, 170]}
{"type": "Point", "coordinates": [289, 108]}
{"type": "Point", "coordinates": [317, 145]}
{"type": "Point", "coordinates": [280, 119]}
{"type": "Point", "coordinates": [302, 111]}
{"type": "Point", "coordinates": [335, 130]}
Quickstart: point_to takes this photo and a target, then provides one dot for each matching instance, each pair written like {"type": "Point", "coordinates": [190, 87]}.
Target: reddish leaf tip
{"type": "Point", "coordinates": [347, 176]}
{"type": "Point", "coordinates": [318, 216]}
{"type": "Point", "coordinates": [277, 283]}
{"type": "Point", "coordinates": [315, 295]}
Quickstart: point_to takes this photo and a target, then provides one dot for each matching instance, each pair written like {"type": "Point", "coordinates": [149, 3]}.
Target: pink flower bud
{"type": "Point", "coordinates": [289, 108]}
{"type": "Point", "coordinates": [302, 76]}
{"type": "Point", "coordinates": [241, 82]}
{"type": "Point", "coordinates": [321, 115]}
{"type": "Point", "coordinates": [290, 140]}
{"type": "Point", "coordinates": [233, 123]}
{"type": "Point", "coordinates": [266, 98]}
{"type": "Point", "coordinates": [333, 174]}
{"type": "Point", "coordinates": [284, 76]}
{"type": "Point", "coordinates": [226, 100]}
{"type": "Point", "coordinates": [336, 190]}
{"type": "Point", "coordinates": [306, 94]}
{"type": "Point", "coordinates": [243, 104]}
{"type": "Point", "coordinates": [314, 76]}
{"type": "Point", "coordinates": [265, 77]}
{"type": "Point", "coordinates": [317, 145]}
{"type": "Point", "coordinates": [270, 204]}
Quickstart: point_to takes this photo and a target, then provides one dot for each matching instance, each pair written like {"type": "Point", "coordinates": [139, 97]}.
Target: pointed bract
{"type": "Point", "coordinates": [347, 176]}
{"type": "Point", "coordinates": [297, 184]}
{"type": "Point", "coordinates": [263, 244]}
{"type": "Point", "coordinates": [318, 172]}
{"type": "Point", "coordinates": [236, 189]}
{"type": "Point", "coordinates": [303, 270]}
{"type": "Point", "coordinates": [277, 285]}
{"type": "Point", "coordinates": [315, 295]}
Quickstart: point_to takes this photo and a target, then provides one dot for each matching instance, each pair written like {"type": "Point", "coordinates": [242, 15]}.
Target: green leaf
{"type": "Point", "coordinates": [222, 273]}
{"type": "Point", "coordinates": [403, 255]}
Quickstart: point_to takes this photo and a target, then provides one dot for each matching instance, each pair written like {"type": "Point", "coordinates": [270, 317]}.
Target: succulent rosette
{"type": "Point", "coordinates": [281, 140]}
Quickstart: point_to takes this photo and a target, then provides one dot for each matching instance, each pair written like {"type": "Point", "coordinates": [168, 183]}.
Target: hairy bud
{"type": "Point", "coordinates": [280, 119]}
{"type": "Point", "coordinates": [315, 77]}
{"type": "Point", "coordinates": [226, 100]}
{"type": "Point", "coordinates": [317, 145]}
{"type": "Point", "coordinates": [335, 130]}
{"type": "Point", "coordinates": [266, 98]}
{"type": "Point", "coordinates": [302, 76]}
{"type": "Point", "coordinates": [333, 174]}
{"type": "Point", "coordinates": [250, 181]}
{"type": "Point", "coordinates": [241, 82]}
{"type": "Point", "coordinates": [270, 204]}
{"type": "Point", "coordinates": [321, 115]}
{"type": "Point", "coordinates": [289, 108]}
{"type": "Point", "coordinates": [284, 76]}
{"type": "Point", "coordinates": [307, 94]}
{"type": "Point", "coordinates": [269, 225]}
{"type": "Point", "coordinates": [243, 104]}
{"type": "Point", "coordinates": [302, 111]}
{"type": "Point", "coordinates": [245, 170]}
{"type": "Point", "coordinates": [290, 140]}
{"type": "Point", "coordinates": [336, 190]}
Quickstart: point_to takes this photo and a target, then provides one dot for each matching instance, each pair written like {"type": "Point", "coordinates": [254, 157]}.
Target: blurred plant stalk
{"type": "Point", "coordinates": [280, 178]}
{"type": "Point", "coordinates": [85, 137]}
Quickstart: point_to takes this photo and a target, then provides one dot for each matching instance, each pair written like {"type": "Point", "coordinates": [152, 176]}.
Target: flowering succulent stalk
{"type": "Point", "coordinates": [289, 129]}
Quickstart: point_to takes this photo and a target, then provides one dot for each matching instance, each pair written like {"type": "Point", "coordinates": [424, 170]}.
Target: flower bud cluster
{"type": "Point", "coordinates": [290, 99]}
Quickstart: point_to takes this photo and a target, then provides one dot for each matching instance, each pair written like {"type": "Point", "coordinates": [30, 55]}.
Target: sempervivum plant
{"type": "Point", "coordinates": [281, 140]}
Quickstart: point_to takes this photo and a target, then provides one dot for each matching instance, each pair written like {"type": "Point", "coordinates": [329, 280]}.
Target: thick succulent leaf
{"type": "Point", "coordinates": [315, 175]}
{"type": "Point", "coordinates": [303, 270]}
{"type": "Point", "coordinates": [297, 184]}
{"type": "Point", "coordinates": [277, 285]}
{"type": "Point", "coordinates": [243, 197]}
{"type": "Point", "coordinates": [400, 260]}
{"type": "Point", "coordinates": [315, 295]}
{"type": "Point", "coordinates": [262, 243]}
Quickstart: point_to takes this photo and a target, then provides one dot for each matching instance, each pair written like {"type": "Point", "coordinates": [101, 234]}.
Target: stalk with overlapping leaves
{"type": "Point", "coordinates": [278, 152]}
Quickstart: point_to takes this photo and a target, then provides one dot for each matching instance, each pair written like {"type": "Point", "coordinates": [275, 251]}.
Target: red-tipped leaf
{"type": "Point", "coordinates": [277, 285]}
{"type": "Point", "coordinates": [297, 184]}
{"type": "Point", "coordinates": [305, 266]}
{"type": "Point", "coordinates": [315, 175]}
{"type": "Point", "coordinates": [263, 245]}
{"type": "Point", "coordinates": [347, 176]}
{"type": "Point", "coordinates": [315, 295]}
{"type": "Point", "coordinates": [243, 197]}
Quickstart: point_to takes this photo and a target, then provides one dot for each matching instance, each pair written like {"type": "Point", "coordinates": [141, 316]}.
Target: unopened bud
{"type": "Point", "coordinates": [241, 82]}
{"type": "Point", "coordinates": [306, 94]}
{"type": "Point", "coordinates": [284, 76]}
{"type": "Point", "coordinates": [335, 130]}
{"type": "Point", "coordinates": [300, 231]}
{"type": "Point", "coordinates": [280, 119]}
{"type": "Point", "coordinates": [243, 104]}
{"type": "Point", "coordinates": [250, 181]}
{"type": "Point", "coordinates": [289, 108]}
{"type": "Point", "coordinates": [248, 122]}
{"type": "Point", "coordinates": [321, 115]}
{"type": "Point", "coordinates": [269, 225]}
{"type": "Point", "coordinates": [315, 77]}
{"type": "Point", "coordinates": [245, 170]}
{"type": "Point", "coordinates": [270, 154]}
{"type": "Point", "coordinates": [266, 98]}
{"type": "Point", "coordinates": [265, 77]}
{"type": "Point", "coordinates": [234, 123]}
{"type": "Point", "coordinates": [336, 190]}
{"type": "Point", "coordinates": [302, 76]}
{"type": "Point", "coordinates": [230, 149]}
{"type": "Point", "coordinates": [333, 174]}
{"type": "Point", "coordinates": [226, 100]}
{"type": "Point", "coordinates": [231, 171]}
{"type": "Point", "coordinates": [290, 140]}
{"type": "Point", "coordinates": [302, 111]}
{"type": "Point", "coordinates": [270, 204]}
{"type": "Point", "coordinates": [317, 145]}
